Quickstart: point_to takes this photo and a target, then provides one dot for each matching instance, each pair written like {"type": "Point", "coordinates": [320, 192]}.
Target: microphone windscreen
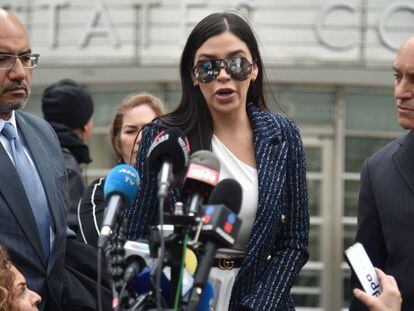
{"type": "Point", "coordinates": [205, 158]}
{"type": "Point", "coordinates": [190, 261]}
{"type": "Point", "coordinates": [123, 180]}
{"type": "Point", "coordinates": [206, 298]}
{"type": "Point", "coordinates": [170, 144]}
{"type": "Point", "coordinates": [202, 174]}
{"type": "Point", "coordinates": [227, 192]}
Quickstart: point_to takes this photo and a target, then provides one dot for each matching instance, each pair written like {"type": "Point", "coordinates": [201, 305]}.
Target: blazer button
{"type": "Point", "coordinates": [283, 219]}
{"type": "Point", "coordinates": [269, 258]}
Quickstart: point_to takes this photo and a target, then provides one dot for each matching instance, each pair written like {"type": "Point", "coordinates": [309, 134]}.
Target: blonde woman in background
{"type": "Point", "coordinates": [133, 113]}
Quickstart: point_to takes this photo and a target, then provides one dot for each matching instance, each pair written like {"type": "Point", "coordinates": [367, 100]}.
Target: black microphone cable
{"type": "Point", "coordinates": [99, 279]}
{"type": "Point", "coordinates": [161, 255]}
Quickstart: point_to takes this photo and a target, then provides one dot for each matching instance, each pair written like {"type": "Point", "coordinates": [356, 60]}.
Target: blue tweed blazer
{"type": "Point", "coordinates": [277, 248]}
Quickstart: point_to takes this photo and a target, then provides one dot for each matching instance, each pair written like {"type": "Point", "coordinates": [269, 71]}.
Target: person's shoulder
{"type": "Point", "coordinates": [70, 162]}
{"type": "Point", "coordinates": [386, 152]}
{"type": "Point", "coordinates": [153, 126]}
{"type": "Point", "coordinates": [97, 184]}
{"type": "Point", "coordinates": [34, 121]}
{"type": "Point", "coordinates": [276, 122]}
{"type": "Point", "coordinates": [283, 121]}
{"type": "Point", "coordinates": [267, 118]}
{"type": "Point", "coordinates": [149, 131]}
{"type": "Point", "coordinates": [30, 118]}
{"type": "Point", "coordinates": [94, 191]}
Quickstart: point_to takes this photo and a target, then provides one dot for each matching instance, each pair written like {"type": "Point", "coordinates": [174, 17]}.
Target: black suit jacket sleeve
{"type": "Point", "coordinates": [369, 232]}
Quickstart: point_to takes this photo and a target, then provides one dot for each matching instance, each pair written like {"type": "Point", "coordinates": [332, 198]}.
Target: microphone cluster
{"type": "Point", "coordinates": [206, 220]}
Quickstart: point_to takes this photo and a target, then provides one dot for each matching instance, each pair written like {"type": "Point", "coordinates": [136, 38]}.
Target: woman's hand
{"type": "Point", "coordinates": [390, 298]}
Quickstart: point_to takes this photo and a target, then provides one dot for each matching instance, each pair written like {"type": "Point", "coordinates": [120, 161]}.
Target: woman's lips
{"type": "Point", "coordinates": [225, 94]}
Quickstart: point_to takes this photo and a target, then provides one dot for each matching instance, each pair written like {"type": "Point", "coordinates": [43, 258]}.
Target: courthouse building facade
{"type": "Point", "coordinates": [328, 65]}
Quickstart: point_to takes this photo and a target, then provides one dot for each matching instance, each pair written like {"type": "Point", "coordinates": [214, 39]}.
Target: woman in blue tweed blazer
{"type": "Point", "coordinates": [230, 104]}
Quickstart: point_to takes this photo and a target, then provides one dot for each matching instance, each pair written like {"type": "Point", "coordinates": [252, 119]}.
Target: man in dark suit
{"type": "Point", "coordinates": [33, 183]}
{"type": "Point", "coordinates": [386, 199]}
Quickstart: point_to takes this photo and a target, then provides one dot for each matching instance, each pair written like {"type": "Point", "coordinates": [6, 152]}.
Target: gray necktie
{"type": "Point", "coordinates": [32, 184]}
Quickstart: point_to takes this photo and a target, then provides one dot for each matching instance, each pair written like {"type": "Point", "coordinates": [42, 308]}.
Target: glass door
{"type": "Point", "coordinates": [314, 283]}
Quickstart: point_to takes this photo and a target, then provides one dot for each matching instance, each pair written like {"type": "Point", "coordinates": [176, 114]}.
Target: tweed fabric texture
{"type": "Point", "coordinates": [277, 248]}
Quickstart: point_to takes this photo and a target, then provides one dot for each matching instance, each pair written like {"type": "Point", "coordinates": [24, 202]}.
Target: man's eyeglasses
{"type": "Point", "coordinates": [206, 70]}
{"type": "Point", "coordinates": [28, 61]}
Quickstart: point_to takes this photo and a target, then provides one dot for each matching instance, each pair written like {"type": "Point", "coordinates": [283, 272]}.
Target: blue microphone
{"type": "Point", "coordinates": [121, 188]}
{"type": "Point", "coordinates": [206, 298]}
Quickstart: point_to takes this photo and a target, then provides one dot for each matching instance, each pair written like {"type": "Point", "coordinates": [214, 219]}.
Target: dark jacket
{"type": "Point", "coordinates": [75, 152]}
{"type": "Point", "coordinates": [80, 278]}
{"type": "Point", "coordinates": [91, 210]}
{"type": "Point", "coordinates": [277, 248]}
{"type": "Point", "coordinates": [386, 214]}
{"type": "Point", "coordinates": [76, 186]}
{"type": "Point", "coordinates": [18, 230]}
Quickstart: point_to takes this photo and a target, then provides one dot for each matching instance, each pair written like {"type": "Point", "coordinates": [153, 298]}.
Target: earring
{"type": "Point", "coordinates": [195, 84]}
{"type": "Point", "coordinates": [253, 78]}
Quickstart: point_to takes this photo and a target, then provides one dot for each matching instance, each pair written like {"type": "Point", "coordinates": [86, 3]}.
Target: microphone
{"type": "Point", "coordinates": [142, 282]}
{"type": "Point", "coordinates": [220, 225]}
{"type": "Point", "coordinates": [203, 301]}
{"type": "Point", "coordinates": [139, 251]}
{"type": "Point", "coordinates": [201, 177]}
{"type": "Point", "coordinates": [168, 153]}
{"type": "Point", "coordinates": [138, 256]}
{"type": "Point", "coordinates": [121, 188]}
{"type": "Point", "coordinates": [206, 298]}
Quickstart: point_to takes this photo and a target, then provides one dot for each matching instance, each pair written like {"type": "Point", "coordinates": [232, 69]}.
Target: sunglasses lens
{"type": "Point", "coordinates": [239, 68]}
{"type": "Point", "coordinates": [206, 70]}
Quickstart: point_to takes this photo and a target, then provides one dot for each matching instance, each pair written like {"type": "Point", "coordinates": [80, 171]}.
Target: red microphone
{"type": "Point", "coordinates": [202, 176]}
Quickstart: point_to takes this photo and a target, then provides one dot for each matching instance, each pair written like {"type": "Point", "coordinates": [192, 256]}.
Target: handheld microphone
{"type": "Point", "coordinates": [169, 153]}
{"type": "Point", "coordinates": [201, 177]}
{"type": "Point", "coordinates": [220, 225]}
{"type": "Point", "coordinates": [121, 188]}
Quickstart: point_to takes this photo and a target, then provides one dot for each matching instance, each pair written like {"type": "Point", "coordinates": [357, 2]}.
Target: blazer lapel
{"type": "Point", "coordinates": [270, 151]}
{"type": "Point", "coordinates": [13, 192]}
{"type": "Point", "coordinates": [39, 157]}
{"type": "Point", "coordinates": [403, 159]}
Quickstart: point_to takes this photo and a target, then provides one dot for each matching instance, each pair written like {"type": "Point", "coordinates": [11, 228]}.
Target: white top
{"type": "Point", "coordinates": [232, 167]}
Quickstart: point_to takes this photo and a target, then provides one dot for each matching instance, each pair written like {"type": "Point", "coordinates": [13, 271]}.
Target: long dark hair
{"type": "Point", "coordinates": [192, 114]}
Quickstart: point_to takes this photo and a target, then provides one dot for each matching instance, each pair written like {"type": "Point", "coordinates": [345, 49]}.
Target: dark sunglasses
{"type": "Point", "coordinates": [206, 70]}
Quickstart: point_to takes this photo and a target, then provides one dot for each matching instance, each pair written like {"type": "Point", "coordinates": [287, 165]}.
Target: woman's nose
{"type": "Point", "coordinates": [223, 73]}
{"type": "Point", "coordinates": [35, 298]}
